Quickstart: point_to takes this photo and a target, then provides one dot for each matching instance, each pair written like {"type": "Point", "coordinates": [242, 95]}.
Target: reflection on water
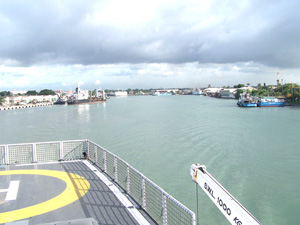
{"type": "Point", "coordinates": [83, 112]}
{"type": "Point", "coordinates": [82, 108]}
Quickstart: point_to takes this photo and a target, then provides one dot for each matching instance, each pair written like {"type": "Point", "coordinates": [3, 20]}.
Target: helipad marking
{"type": "Point", "coordinates": [12, 190]}
{"type": "Point", "coordinates": [76, 187]}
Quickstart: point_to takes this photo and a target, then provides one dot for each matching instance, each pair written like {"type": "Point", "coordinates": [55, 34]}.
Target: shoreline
{"type": "Point", "coordinates": [3, 108]}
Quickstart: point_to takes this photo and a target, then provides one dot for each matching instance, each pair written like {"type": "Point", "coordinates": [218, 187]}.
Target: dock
{"type": "Point", "coordinates": [2, 108]}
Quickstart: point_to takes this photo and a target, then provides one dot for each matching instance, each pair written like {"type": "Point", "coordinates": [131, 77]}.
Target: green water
{"type": "Point", "coordinates": [253, 152]}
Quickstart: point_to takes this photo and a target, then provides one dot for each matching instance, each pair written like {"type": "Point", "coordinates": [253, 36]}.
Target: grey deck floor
{"type": "Point", "coordinates": [99, 202]}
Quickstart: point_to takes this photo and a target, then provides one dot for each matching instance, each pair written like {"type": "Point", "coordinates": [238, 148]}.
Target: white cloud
{"type": "Point", "coordinates": [235, 68]}
{"type": "Point", "coordinates": [21, 82]}
{"type": "Point", "coordinates": [122, 12]}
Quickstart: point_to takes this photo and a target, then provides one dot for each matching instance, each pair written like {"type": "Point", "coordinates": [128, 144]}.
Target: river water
{"type": "Point", "coordinates": [253, 152]}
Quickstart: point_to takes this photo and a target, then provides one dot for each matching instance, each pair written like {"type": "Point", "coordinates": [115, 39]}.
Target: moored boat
{"type": "Point", "coordinates": [79, 97]}
{"type": "Point", "coordinates": [197, 91]}
{"type": "Point", "coordinates": [158, 93]}
{"type": "Point", "coordinates": [121, 94]}
{"type": "Point", "coordinates": [61, 101]}
{"type": "Point", "coordinates": [270, 101]}
{"type": "Point", "coordinates": [82, 97]}
{"type": "Point", "coordinates": [246, 100]}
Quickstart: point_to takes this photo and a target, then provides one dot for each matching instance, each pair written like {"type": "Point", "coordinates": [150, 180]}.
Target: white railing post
{"type": "Point", "coordinates": [104, 162]}
{"type": "Point", "coordinates": [128, 180]}
{"type": "Point", "coordinates": [6, 155]}
{"type": "Point", "coordinates": [144, 193]}
{"type": "Point", "coordinates": [87, 149]}
{"type": "Point", "coordinates": [116, 169]}
{"type": "Point", "coordinates": [61, 151]}
{"type": "Point", "coordinates": [164, 209]}
{"type": "Point", "coordinates": [34, 159]}
{"type": "Point", "coordinates": [96, 155]}
{"type": "Point", "coordinates": [194, 219]}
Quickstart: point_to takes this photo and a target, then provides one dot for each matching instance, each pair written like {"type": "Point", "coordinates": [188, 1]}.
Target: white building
{"type": "Point", "coordinates": [211, 91]}
{"type": "Point", "coordinates": [228, 93]}
{"type": "Point", "coordinates": [13, 100]}
{"type": "Point", "coordinates": [247, 88]}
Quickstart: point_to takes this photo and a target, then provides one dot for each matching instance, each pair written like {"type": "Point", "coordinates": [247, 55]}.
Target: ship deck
{"type": "Point", "coordinates": [67, 192]}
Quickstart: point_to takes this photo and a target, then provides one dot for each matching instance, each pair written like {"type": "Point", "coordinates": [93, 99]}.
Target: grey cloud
{"type": "Point", "coordinates": [55, 32]}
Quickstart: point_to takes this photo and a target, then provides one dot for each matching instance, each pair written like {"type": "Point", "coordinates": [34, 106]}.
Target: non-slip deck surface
{"type": "Point", "coordinates": [56, 192]}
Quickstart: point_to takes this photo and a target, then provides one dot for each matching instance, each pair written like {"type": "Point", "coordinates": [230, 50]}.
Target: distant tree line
{"type": "Point", "coordinates": [290, 90]}
{"type": "Point", "coordinates": [4, 94]}
{"type": "Point", "coordinates": [31, 92]}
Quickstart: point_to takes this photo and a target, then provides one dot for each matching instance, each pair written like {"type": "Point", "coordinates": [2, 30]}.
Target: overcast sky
{"type": "Point", "coordinates": [147, 44]}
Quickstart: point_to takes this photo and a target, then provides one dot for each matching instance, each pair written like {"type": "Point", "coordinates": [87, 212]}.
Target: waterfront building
{"type": "Point", "coordinates": [247, 88]}
{"type": "Point", "coordinates": [228, 93]}
{"type": "Point", "coordinates": [13, 100]}
{"type": "Point", "coordinates": [212, 91]}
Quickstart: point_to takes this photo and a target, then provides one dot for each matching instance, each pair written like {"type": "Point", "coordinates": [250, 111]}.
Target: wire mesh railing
{"type": "Point", "coordinates": [42, 152]}
{"type": "Point", "coordinates": [162, 207]}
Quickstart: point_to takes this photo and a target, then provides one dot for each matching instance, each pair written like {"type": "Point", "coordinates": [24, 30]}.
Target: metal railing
{"type": "Point", "coordinates": [162, 207]}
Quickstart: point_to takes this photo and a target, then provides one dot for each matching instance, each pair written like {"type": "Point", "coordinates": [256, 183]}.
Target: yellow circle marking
{"type": "Point", "coordinates": [77, 187]}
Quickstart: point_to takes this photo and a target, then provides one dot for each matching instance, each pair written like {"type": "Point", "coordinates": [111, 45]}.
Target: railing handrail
{"type": "Point", "coordinates": [44, 142]}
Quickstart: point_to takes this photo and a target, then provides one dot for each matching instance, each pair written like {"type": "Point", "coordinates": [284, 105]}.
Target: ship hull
{"type": "Point", "coordinates": [75, 101]}
{"type": "Point", "coordinates": [271, 104]}
{"type": "Point", "coordinates": [243, 104]}
{"type": "Point", "coordinates": [85, 101]}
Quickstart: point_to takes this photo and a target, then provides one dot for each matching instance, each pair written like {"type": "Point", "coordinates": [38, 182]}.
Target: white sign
{"type": "Point", "coordinates": [225, 202]}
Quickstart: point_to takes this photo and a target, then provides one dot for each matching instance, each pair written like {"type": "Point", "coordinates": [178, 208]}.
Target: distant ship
{"type": "Point", "coordinates": [246, 100]}
{"type": "Point", "coordinates": [158, 93]}
{"type": "Point", "coordinates": [82, 97]}
{"type": "Point", "coordinates": [121, 93]}
{"type": "Point", "coordinates": [270, 102]}
{"type": "Point", "coordinates": [197, 91]}
{"type": "Point", "coordinates": [79, 97]}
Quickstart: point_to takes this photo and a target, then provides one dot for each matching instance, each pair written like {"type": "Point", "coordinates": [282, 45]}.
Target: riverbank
{"type": "Point", "coordinates": [2, 108]}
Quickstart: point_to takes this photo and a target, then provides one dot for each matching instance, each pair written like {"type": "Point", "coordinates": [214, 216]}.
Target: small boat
{"type": "Point", "coordinates": [270, 101]}
{"type": "Point", "coordinates": [61, 101]}
{"type": "Point", "coordinates": [246, 100]}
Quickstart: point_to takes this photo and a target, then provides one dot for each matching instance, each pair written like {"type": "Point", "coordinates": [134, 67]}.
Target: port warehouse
{"type": "Point", "coordinates": [28, 99]}
{"type": "Point", "coordinates": [147, 195]}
